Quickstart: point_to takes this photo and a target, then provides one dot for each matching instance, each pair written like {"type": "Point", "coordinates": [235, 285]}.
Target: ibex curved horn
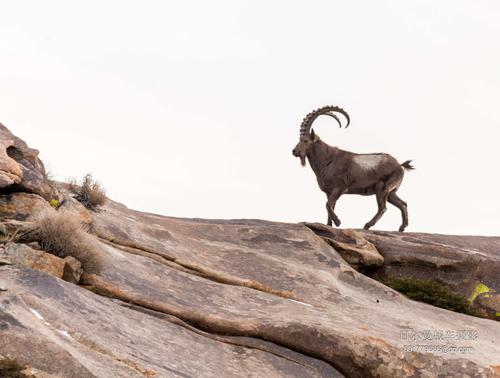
{"type": "Point", "coordinates": [329, 110]}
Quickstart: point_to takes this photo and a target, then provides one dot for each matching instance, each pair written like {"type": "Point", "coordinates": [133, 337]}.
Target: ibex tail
{"type": "Point", "coordinates": [407, 165]}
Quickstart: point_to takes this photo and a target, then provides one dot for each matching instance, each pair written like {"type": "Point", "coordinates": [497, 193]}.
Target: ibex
{"type": "Point", "coordinates": [342, 172]}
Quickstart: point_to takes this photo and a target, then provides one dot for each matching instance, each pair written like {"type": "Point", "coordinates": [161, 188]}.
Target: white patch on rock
{"type": "Point", "coordinates": [302, 303]}
{"type": "Point", "coordinates": [37, 314]}
{"type": "Point", "coordinates": [368, 162]}
{"type": "Point", "coordinates": [64, 333]}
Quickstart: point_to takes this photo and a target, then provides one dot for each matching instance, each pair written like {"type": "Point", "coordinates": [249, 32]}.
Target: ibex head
{"type": "Point", "coordinates": [308, 137]}
{"type": "Point", "coordinates": [305, 144]}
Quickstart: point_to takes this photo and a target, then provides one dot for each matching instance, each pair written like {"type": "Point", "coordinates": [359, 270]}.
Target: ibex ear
{"type": "Point", "coordinates": [314, 137]}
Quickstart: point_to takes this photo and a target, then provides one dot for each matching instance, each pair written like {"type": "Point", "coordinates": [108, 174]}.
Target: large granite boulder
{"type": "Point", "coordinates": [20, 168]}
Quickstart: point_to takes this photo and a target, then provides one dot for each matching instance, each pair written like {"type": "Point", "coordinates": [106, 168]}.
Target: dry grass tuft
{"type": "Point", "coordinates": [62, 234]}
{"type": "Point", "coordinates": [89, 192]}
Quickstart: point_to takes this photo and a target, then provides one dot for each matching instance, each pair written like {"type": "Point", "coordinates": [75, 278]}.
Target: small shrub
{"type": "Point", "coordinates": [62, 234]}
{"type": "Point", "coordinates": [430, 292]}
{"type": "Point", "coordinates": [89, 192]}
{"type": "Point", "coordinates": [12, 369]}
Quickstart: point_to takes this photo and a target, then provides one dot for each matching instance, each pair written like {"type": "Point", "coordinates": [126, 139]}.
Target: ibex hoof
{"type": "Point", "coordinates": [402, 228]}
{"type": "Point", "coordinates": [367, 226]}
{"type": "Point", "coordinates": [337, 222]}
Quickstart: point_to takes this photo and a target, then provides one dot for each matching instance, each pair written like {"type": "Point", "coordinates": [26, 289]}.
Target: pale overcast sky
{"type": "Point", "coordinates": [192, 108]}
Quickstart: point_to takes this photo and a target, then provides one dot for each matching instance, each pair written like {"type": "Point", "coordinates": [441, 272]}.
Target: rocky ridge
{"type": "Point", "coordinates": [206, 298]}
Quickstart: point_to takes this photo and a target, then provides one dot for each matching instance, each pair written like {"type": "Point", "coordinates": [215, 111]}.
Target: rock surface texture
{"type": "Point", "coordinates": [241, 298]}
{"type": "Point", "coordinates": [467, 265]}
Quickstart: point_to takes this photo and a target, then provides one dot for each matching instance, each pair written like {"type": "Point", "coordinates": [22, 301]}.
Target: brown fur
{"type": "Point", "coordinates": [342, 172]}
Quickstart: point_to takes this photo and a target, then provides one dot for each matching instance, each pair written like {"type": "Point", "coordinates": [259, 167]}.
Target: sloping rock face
{"type": "Point", "coordinates": [213, 298]}
{"type": "Point", "coordinates": [467, 265]}
{"type": "Point", "coordinates": [62, 329]}
{"type": "Point", "coordinates": [273, 289]}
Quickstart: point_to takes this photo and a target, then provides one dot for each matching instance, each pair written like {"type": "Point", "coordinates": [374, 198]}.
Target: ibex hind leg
{"type": "Point", "coordinates": [401, 205]}
{"type": "Point", "coordinates": [382, 196]}
{"type": "Point", "coordinates": [382, 191]}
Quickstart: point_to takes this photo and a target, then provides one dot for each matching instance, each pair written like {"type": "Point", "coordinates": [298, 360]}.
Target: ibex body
{"type": "Point", "coordinates": [342, 172]}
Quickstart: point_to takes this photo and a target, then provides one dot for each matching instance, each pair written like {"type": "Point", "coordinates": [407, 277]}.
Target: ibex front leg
{"type": "Point", "coordinates": [330, 207]}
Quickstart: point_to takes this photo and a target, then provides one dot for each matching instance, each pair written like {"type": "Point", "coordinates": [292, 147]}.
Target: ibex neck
{"type": "Point", "coordinates": [321, 155]}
